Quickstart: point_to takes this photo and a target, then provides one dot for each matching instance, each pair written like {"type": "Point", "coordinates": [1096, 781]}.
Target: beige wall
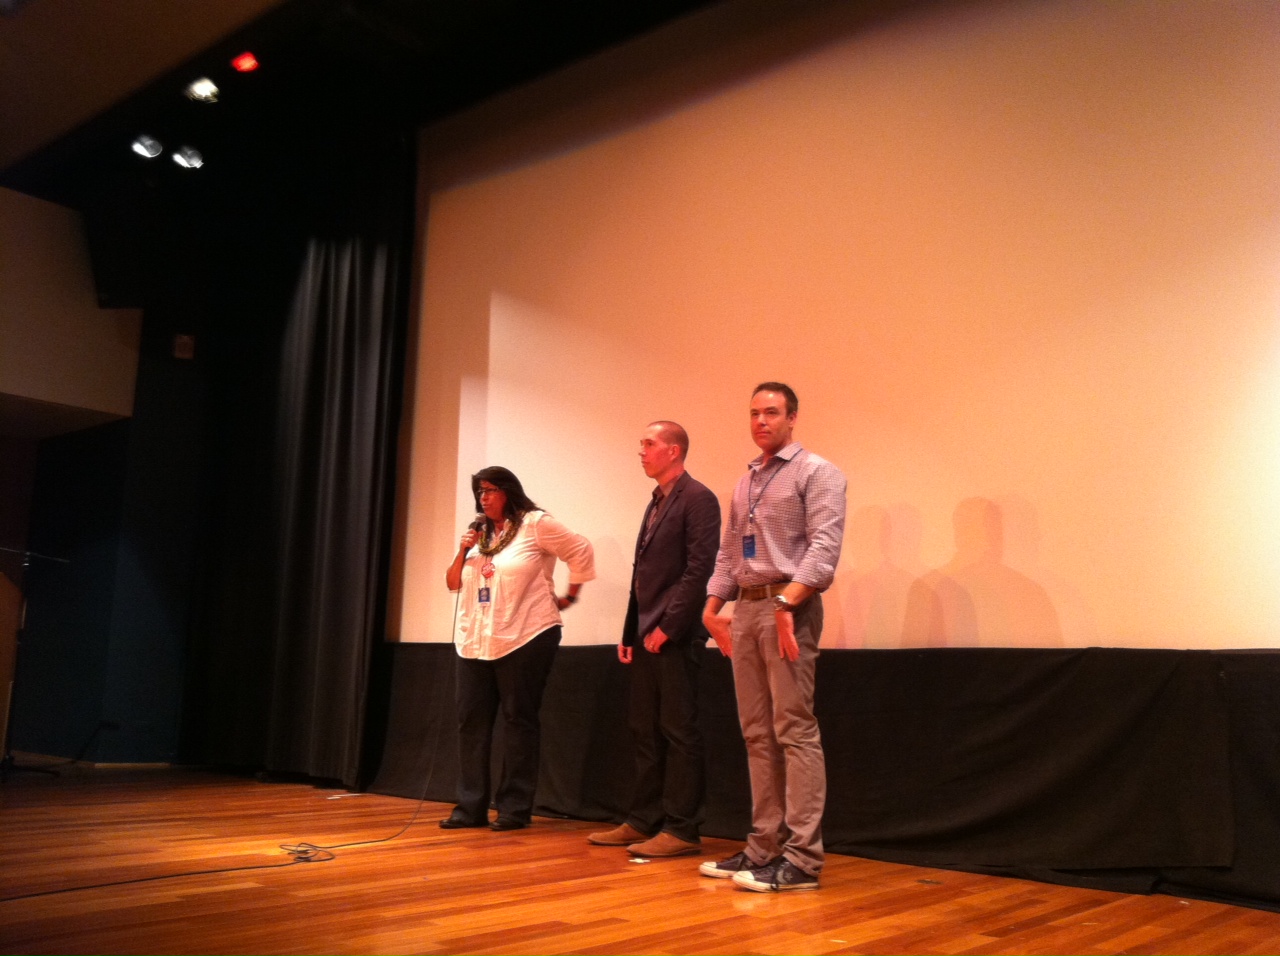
{"type": "Point", "coordinates": [56, 345]}
{"type": "Point", "coordinates": [1019, 261]}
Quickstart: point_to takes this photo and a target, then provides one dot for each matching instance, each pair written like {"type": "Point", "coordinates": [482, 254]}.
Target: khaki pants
{"type": "Point", "coordinates": [784, 747]}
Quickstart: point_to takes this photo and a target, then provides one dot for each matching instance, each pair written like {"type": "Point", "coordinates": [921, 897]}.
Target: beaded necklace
{"type": "Point", "coordinates": [490, 547]}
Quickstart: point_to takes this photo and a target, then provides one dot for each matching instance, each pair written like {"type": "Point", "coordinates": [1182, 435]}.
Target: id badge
{"type": "Point", "coordinates": [748, 545]}
{"type": "Point", "coordinates": [483, 597]}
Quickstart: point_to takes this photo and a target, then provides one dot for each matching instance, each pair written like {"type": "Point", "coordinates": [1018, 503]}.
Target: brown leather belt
{"type": "Point", "coordinates": [758, 592]}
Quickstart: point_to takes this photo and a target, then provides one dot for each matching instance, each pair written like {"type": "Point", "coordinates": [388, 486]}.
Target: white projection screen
{"type": "Point", "coordinates": [1020, 261]}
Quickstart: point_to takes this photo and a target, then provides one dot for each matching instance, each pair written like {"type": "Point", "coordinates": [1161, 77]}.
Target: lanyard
{"type": "Point", "coordinates": [751, 505]}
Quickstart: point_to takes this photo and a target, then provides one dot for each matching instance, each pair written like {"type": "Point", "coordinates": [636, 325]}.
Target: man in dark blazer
{"type": "Point", "coordinates": [663, 641]}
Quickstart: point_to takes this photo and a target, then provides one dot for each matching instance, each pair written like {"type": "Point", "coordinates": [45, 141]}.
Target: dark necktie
{"type": "Point", "coordinates": [651, 516]}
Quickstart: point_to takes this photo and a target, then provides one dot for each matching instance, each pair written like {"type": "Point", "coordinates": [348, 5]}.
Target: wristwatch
{"type": "Point", "coordinates": [780, 603]}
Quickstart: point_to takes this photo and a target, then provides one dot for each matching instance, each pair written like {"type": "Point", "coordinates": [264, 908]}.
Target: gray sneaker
{"type": "Point", "coordinates": [725, 869]}
{"type": "Point", "coordinates": [781, 874]}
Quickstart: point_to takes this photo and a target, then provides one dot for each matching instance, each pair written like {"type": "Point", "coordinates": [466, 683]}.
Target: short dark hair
{"type": "Point", "coordinates": [505, 481]}
{"type": "Point", "coordinates": [793, 403]}
{"type": "Point", "coordinates": [674, 434]}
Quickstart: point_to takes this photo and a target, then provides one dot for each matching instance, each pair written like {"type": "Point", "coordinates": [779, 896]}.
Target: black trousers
{"type": "Point", "coordinates": [510, 687]}
{"type": "Point", "coordinates": [670, 792]}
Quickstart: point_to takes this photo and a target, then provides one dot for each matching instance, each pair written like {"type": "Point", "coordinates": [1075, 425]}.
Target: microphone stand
{"type": "Point", "coordinates": [7, 764]}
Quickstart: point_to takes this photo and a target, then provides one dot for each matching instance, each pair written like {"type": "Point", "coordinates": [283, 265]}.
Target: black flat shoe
{"type": "Point", "coordinates": [461, 823]}
{"type": "Point", "coordinates": [507, 823]}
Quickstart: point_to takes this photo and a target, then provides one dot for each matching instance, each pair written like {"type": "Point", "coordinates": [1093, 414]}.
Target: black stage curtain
{"type": "Point", "coordinates": [1130, 770]}
{"type": "Point", "coordinates": [308, 368]}
{"type": "Point", "coordinates": [335, 449]}
{"type": "Point", "coordinates": [1253, 705]}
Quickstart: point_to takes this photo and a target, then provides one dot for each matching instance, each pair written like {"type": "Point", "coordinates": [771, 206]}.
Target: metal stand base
{"type": "Point", "coordinates": [9, 766]}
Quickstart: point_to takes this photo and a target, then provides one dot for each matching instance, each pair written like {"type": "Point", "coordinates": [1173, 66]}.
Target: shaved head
{"type": "Point", "coordinates": [672, 433]}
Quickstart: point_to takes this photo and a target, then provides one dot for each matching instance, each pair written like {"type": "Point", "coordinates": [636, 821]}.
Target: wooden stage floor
{"type": "Point", "coordinates": [178, 861]}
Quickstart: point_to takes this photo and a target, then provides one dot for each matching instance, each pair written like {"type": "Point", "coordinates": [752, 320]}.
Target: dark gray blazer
{"type": "Point", "coordinates": [670, 574]}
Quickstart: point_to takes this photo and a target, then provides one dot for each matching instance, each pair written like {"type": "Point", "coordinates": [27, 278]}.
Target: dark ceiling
{"type": "Point", "coordinates": [326, 65]}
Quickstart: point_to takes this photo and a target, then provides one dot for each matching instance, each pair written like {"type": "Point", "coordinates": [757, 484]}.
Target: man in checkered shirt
{"type": "Point", "coordinates": [778, 553]}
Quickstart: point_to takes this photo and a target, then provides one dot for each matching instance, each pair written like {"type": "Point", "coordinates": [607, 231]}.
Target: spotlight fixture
{"type": "Point", "coordinates": [246, 62]}
{"type": "Point", "coordinates": [203, 90]}
{"type": "Point", "coordinates": [188, 158]}
{"type": "Point", "coordinates": [147, 146]}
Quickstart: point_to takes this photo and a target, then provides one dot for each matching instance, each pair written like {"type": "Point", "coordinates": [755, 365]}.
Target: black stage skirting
{"type": "Point", "coordinates": [1131, 770]}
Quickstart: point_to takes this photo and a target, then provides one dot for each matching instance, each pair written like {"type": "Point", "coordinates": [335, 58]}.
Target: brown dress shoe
{"type": "Point", "coordinates": [665, 844]}
{"type": "Point", "coordinates": [618, 836]}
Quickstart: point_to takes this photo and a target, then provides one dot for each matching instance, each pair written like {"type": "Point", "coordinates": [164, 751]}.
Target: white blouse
{"type": "Point", "coordinates": [522, 597]}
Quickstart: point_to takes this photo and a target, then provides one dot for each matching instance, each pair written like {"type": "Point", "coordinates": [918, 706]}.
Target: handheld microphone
{"type": "Point", "coordinates": [478, 524]}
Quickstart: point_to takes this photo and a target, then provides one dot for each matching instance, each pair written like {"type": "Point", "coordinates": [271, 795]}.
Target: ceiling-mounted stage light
{"type": "Point", "coordinates": [147, 146]}
{"type": "Point", "coordinates": [188, 158]}
{"type": "Point", "coordinates": [203, 90]}
{"type": "Point", "coordinates": [246, 62]}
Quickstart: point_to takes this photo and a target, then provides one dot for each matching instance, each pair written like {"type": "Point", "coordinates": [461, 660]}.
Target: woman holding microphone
{"type": "Point", "coordinates": [506, 635]}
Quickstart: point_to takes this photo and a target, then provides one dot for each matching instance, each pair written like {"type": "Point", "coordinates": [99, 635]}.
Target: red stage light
{"type": "Point", "coordinates": [245, 63]}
